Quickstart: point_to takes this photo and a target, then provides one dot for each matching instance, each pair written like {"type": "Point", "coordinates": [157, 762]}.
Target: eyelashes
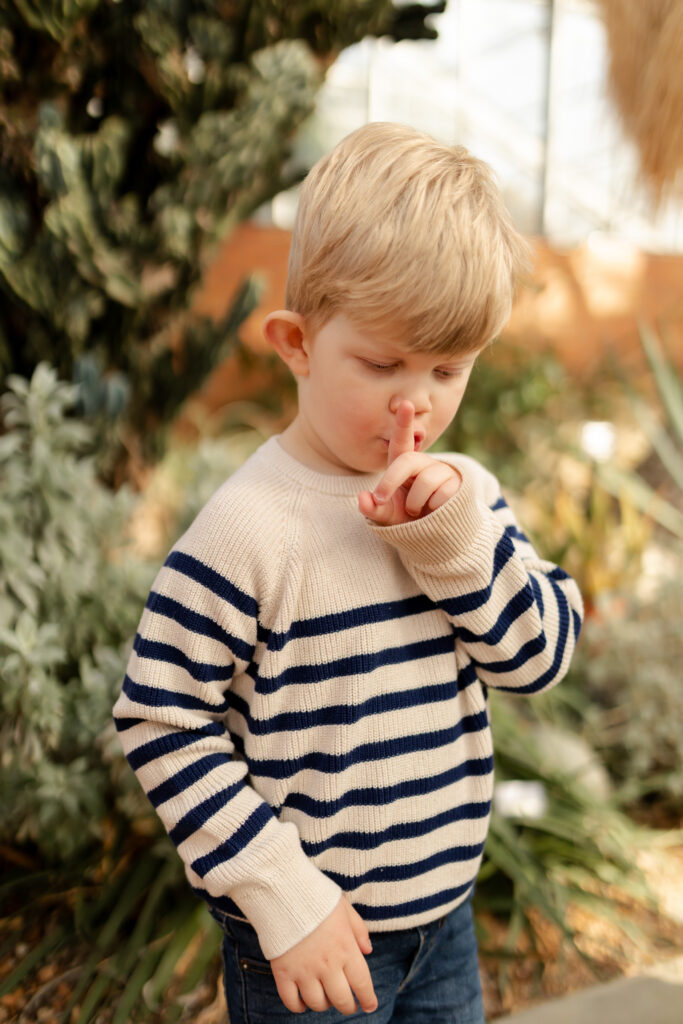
{"type": "Point", "coordinates": [388, 367]}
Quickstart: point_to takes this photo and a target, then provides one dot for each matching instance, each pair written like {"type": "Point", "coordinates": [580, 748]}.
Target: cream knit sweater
{"type": "Point", "coordinates": [304, 703]}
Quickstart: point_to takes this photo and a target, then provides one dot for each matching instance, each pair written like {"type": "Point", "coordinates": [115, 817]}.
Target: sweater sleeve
{"type": "Point", "coordinates": [517, 616]}
{"type": "Point", "coordinates": [199, 632]}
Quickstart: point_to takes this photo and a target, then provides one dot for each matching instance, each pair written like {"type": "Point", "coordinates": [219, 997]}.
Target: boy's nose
{"type": "Point", "coordinates": [418, 396]}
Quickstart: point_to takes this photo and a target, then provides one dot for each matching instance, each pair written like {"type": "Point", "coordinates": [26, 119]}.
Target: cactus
{"type": "Point", "coordinates": [133, 140]}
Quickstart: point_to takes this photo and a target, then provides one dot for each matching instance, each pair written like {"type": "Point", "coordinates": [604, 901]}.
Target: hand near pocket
{"type": "Point", "coordinates": [328, 967]}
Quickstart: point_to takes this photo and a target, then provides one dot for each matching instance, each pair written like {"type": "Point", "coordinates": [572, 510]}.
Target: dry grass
{"type": "Point", "coordinates": [646, 56]}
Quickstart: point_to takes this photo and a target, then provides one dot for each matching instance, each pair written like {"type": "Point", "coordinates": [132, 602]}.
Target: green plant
{"type": "Point", "coordinates": [507, 402]}
{"type": "Point", "coordinates": [628, 669]}
{"type": "Point", "coordinates": [70, 597]}
{"type": "Point", "coordinates": [579, 851]}
{"type": "Point", "coordinates": [656, 487]}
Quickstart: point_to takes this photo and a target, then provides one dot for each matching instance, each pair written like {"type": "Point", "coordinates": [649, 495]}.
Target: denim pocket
{"type": "Point", "coordinates": [249, 965]}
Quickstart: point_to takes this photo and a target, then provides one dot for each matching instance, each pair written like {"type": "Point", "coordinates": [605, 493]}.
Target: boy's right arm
{"type": "Point", "coordinates": [197, 630]}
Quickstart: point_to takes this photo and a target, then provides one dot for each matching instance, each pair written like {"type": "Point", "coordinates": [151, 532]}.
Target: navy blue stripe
{"type": "Point", "coordinates": [558, 574]}
{"type": "Point", "coordinates": [351, 714]}
{"type": "Point", "coordinates": [550, 675]}
{"type": "Point", "coordinates": [203, 672]}
{"type": "Point", "coordinates": [453, 606]}
{"type": "Point", "coordinates": [202, 625]}
{"type": "Point", "coordinates": [514, 532]}
{"type": "Point", "coordinates": [516, 606]}
{"type": "Point", "coordinates": [213, 581]}
{"type": "Point", "coordinates": [501, 503]}
{"type": "Point", "coordinates": [156, 696]}
{"type": "Point", "coordinates": [223, 904]}
{"type": "Point", "coordinates": [577, 624]}
{"type": "Point", "coordinates": [241, 838]}
{"type": "Point", "coordinates": [538, 593]}
{"type": "Point", "coordinates": [198, 816]}
{"type": "Point", "coordinates": [359, 664]}
{"type": "Point", "coordinates": [172, 742]}
{"type": "Point", "coordinates": [381, 796]}
{"type": "Point", "coordinates": [186, 777]}
{"type": "Point", "coordinates": [122, 724]}
{"type": "Point", "coordinates": [364, 840]}
{"type": "Point", "coordinates": [381, 750]}
{"type": "Point", "coordinates": [410, 907]}
{"type": "Point", "coordinates": [527, 651]}
{"type": "Point", "coordinates": [403, 872]}
{"type": "Point", "coordinates": [350, 618]}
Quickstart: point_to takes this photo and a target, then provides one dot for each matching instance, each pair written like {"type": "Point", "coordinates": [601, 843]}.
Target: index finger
{"type": "Point", "coordinates": [402, 438]}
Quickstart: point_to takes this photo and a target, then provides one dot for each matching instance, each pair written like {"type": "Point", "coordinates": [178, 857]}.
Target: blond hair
{"type": "Point", "coordinates": [396, 229]}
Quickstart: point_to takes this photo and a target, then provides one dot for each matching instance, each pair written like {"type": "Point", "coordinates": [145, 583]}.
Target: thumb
{"type": "Point", "coordinates": [359, 929]}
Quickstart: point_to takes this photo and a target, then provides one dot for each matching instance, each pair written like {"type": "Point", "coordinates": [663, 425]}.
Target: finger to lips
{"type": "Point", "coordinates": [402, 438]}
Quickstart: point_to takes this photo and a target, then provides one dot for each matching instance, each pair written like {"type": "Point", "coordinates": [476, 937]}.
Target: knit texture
{"type": "Point", "coordinates": [305, 700]}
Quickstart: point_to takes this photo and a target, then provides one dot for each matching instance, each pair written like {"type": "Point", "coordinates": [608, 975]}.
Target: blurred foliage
{"type": "Point", "coordinates": [133, 137]}
{"type": "Point", "coordinates": [506, 405]}
{"type": "Point", "coordinates": [628, 669]}
{"type": "Point", "coordinates": [70, 598]}
{"type": "Point", "coordinates": [580, 850]}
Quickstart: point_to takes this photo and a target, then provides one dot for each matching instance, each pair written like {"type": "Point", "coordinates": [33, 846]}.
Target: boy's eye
{"type": "Point", "coordinates": [379, 366]}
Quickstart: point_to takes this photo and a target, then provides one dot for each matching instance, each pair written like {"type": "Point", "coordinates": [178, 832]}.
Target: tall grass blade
{"type": "Point", "coordinates": [104, 942]}
{"type": "Point", "coordinates": [32, 960]}
{"type": "Point", "coordinates": [666, 378]}
{"type": "Point", "coordinates": [622, 483]}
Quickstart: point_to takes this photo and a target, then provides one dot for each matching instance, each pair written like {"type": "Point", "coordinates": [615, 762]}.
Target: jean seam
{"type": "Point", "coordinates": [413, 966]}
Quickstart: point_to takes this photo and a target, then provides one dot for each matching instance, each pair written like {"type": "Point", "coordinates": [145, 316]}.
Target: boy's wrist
{"type": "Point", "coordinates": [288, 902]}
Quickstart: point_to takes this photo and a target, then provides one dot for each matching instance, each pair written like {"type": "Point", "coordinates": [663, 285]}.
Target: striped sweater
{"type": "Point", "coordinates": [305, 702]}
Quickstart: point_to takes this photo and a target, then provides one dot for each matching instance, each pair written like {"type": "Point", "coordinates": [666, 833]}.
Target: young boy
{"type": "Point", "coordinates": [305, 704]}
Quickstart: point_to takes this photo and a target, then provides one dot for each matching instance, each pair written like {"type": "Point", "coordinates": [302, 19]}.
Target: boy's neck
{"type": "Point", "coordinates": [295, 441]}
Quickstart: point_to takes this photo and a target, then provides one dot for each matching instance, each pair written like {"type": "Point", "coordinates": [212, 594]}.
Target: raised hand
{"type": "Point", "coordinates": [328, 967]}
{"type": "Point", "coordinates": [414, 483]}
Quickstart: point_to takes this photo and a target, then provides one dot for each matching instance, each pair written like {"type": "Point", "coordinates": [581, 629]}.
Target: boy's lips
{"type": "Point", "coordinates": [418, 439]}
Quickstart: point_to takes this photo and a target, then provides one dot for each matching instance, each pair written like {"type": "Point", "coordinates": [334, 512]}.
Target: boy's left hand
{"type": "Point", "coordinates": [414, 483]}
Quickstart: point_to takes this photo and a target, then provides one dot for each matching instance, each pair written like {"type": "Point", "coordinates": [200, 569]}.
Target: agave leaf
{"type": "Point", "coordinates": [668, 453]}
{"type": "Point", "coordinates": [181, 935]}
{"type": "Point", "coordinates": [107, 937]}
{"type": "Point", "coordinates": [666, 378]}
{"type": "Point", "coordinates": [622, 482]}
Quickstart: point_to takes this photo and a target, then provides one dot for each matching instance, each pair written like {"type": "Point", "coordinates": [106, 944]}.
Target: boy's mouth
{"type": "Point", "coordinates": [418, 440]}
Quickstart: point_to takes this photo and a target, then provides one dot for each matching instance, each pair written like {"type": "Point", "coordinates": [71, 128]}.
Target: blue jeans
{"type": "Point", "coordinates": [424, 975]}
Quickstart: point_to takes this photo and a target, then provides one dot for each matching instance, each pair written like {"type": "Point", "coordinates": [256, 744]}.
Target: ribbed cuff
{"type": "Point", "coordinates": [286, 903]}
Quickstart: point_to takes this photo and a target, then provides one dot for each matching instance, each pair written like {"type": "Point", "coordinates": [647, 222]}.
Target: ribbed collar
{"type": "Point", "coordinates": [276, 458]}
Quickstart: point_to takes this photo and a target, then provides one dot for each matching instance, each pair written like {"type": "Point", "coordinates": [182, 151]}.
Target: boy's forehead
{"type": "Point", "coordinates": [394, 341]}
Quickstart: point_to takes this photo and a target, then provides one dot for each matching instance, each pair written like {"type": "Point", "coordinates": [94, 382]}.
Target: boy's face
{"type": "Point", "coordinates": [352, 385]}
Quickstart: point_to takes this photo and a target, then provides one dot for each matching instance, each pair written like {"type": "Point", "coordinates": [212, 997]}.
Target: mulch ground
{"type": "Point", "coordinates": [535, 969]}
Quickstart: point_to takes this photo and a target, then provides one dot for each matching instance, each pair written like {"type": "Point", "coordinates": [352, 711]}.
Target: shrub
{"type": "Point", "coordinates": [70, 598]}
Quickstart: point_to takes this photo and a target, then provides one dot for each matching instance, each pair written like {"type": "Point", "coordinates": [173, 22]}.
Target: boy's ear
{"type": "Point", "coordinates": [286, 332]}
